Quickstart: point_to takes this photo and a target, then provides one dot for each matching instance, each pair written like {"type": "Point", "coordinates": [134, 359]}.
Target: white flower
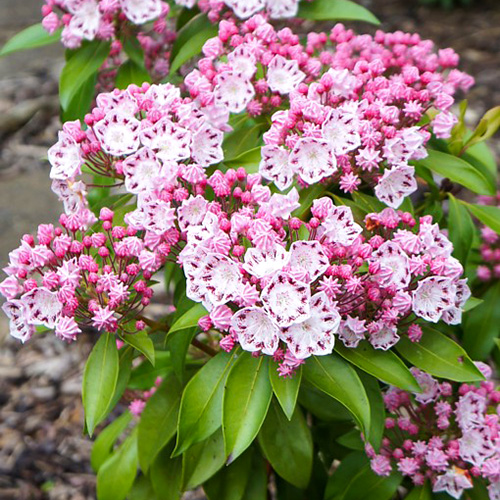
{"type": "Point", "coordinates": [192, 212]}
{"type": "Point", "coordinates": [284, 75]}
{"type": "Point", "coordinates": [313, 160]}
{"type": "Point", "coordinates": [453, 482]}
{"type": "Point", "coordinates": [245, 8]}
{"type": "Point", "coordinates": [281, 9]}
{"type": "Point", "coordinates": [286, 300]}
{"type": "Point", "coordinates": [118, 133]}
{"type": "Point", "coordinates": [275, 166]}
{"type": "Point", "coordinates": [206, 146]}
{"type": "Point", "coordinates": [170, 141]}
{"type": "Point", "coordinates": [143, 171]}
{"type": "Point", "coordinates": [42, 306]}
{"type": "Point", "coordinates": [309, 256]}
{"type": "Point", "coordinates": [141, 11]}
{"type": "Point", "coordinates": [261, 263]}
{"type": "Point", "coordinates": [394, 265]}
{"type": "Point", "coordinates": [86, 18]}
{"type": "Point", "coordinates": [340, 130]}
{"type": "Point", "coordinates": [395, 185]}
{"type": "Point", "coordinates": [339, 226]}
{"type": "Point", "coordinates": [234, 91]}
{"type": "Point", "coordinates": [65, 158]}
{"type": "Point", "coordinates": [314, 336]}
{"type": "Point", "coordinates": [432, 297]}
{"type": "Point", "coordinates": [476, 445]}
{"type": "Point", "coordinates": [255, 330]}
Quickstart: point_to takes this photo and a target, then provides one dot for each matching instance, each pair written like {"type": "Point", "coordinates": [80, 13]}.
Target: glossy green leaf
{"type": "Point", "coordinates": [190, 40]}
{"type": "Point", "coordinates": [247, 396]}
{"type": "Point", "coordinates": [125, 358]}
{"type": "Point", "coordinates": [99, 380]}
{"type": "Point", "coordinates": [249, 160]}
{"type": "Point", "coordinates": [420, 493]}
{"type": "Point", "coordinates": [30, 38]}
{"type": "Point", "coordinates": [377, 409]}
{"type": "Point", "coordinates": [482, 325]}
{"type": "Point", "coordinates": [80, 103]}
{"type": "Point", "coordinates": [203, 460]}
{"type": "Point", "coordinates": [460, 229]}
{"type": "Point", "coordinates": [338, 379]}
{"type": "Point", "coordinates": [440, 356]}
{"type": "Point", "coordinates": [142, 343]}
{"type": "Point", "coordinates": [178, 344]}
{"type": "Point", "coordinates": [83, 62]}
{"type": "Point", "coordinates": [472, 303]}
{"type": "Point", "coordinates": [352, 440]}
{"type": "Point", "coordinates": [257, 487]}
{"type": "Point", "coordinates": [384, 365]}
{"type": "Point", "coordinates": [142, 489]}
{"type": "Point", "coordinates": [188, 319]}
{"type": "Point", "coordinates": [166, 475]}
{"type": "Point", "coordinates": [286, 390]}
{"type": "Point", "coordinates": [131, 72]}
{"type": "Point", "coordinates": [483, 154]}
{"type": "Point", "coordinates": [144, 376]}
{"type": "Point", "coordinates": [200, 413]}
{"type": "Point", "coordinates": [231, 482]}
{"type": "Point", "coordinates": [133, 49]}
{"type": "Point", "coordinates": [336, 10]}
{"type": "Point", "coordinates": [368, 203]}
{"type": "Point", "coordinates": [103, 445]}
{"type": "Point", "coordinates": [487, 214]}
{"type": "Point", "coordinates": [158, 421]}
{"type": "Point", "coordinates": [355, 480]}
{"type": "Point", "coordinates": [243, 138]}
{"type": "Point", "coordinates": [287, 445]}
{"type": "Point", "coordinates": [116, 476]}
{"type": "Point", "coordinates": [487, 127]}
{"type": "Point", "coordinates": [321, 405]}
{"type": "Point", "coordinates": [457, 170]}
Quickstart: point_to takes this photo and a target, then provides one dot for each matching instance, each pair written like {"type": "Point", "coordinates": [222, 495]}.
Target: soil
{"type": "Point", "coordinates": [43, 454]}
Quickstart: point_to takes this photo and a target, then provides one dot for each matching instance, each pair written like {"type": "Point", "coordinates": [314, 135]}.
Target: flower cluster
{"type": "Point", "coordinates": [272, 282]}
{"type": "Point", "coordinates": [444, 434]}
{"type": "Point", "coordinates": [490, 246]}
{"type": "Point", "coordinates": [218, 9]}
{"type": "Point", "coordinates": [68, 278]}
{"type": "Point", "coordinates": [362, 121]}
{"type": "Point", "coordinates": [143, 137]}
{"type": "Point", "coordinates": [249, 66]}
{"type": "Point", "coordinates": [114, 20]}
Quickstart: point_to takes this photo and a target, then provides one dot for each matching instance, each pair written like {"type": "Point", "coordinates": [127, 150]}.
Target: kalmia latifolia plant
{"type": "Point", "coordinates": [267, 234]}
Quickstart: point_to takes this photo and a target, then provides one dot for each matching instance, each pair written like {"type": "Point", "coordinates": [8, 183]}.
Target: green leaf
{"type": "Point", "coordinates": [158, 421]}
{"type": "Point", "coordinates": [354, 480]}
{"type": "Point", "coordinates": [131, 72]}
{"type": "Point", "coordinates": [249, 160]}
{"type": "Point", "coordinates": [487, 127]}
{"type": "Point", "coordinates": [30, 38]}
{"type": "Point", "coordinates": [200, 414]}
{"type": "Point", "coordinates": [166, 475]}
{"type": "Point", "coordinates": [460, 228]}
{"type": "Point", "coordinates": [321, 405]}
{"type": "Point", "coordinates": [203, 460]}
{"type": "Point", "coordinates": [368, 203]}
{"type": "Point", "coordinates": [377, 409]}
{"type": "Point", "coordinates": [457, 170]}
{"type": "Point", "coordinates": [338, 379]}
{"type": "Point", "coordinates": [190, 40]}
{"type": "Point", "coordinates": [487, 214]}
{"type": "Point", "coordinates": [142, 490]}
{"type": "Point", "coordinates": [243, 138]}
{"type": "Point", "coordinates": [81, 101]}
{"type": "Point", "coordinates": [99, 380]}
{"type": "Point", "coordinates": [307, 196]}
{"type": "Point", "coordinates": [178, 344]}
{"type": "Point", "coordinates": [231, 482]}
{"type": "Point", "coordinates": [420, 493]}
{"type": "Point", "coordinates": [133, 49]}
{"type": "Point", "coordinates": [247, 396]}
{"type": "Point", "coordinates": [287, 445]}
{"type": "Point", "coordinates": [384, 365]}
{"type": "Point", "coordinates": [142, 343]}
{"type": "Point", "coordinates": [103, 445]}
{"type": "Point", "coordinates": [483, 154]}
{"type": "Point", "coordinates": [352, 440]}
{"type": "Point", "coordinates": [83, 62]}
{"type": "Point", "coordinates": [482, 325]}
{"type": "Point", "coordinates": [285, 389]}
{"type": "Point", "coordinates": [472, 303]}
{"type": "Point", "coordinates": [257, 488]}
{"type": "Point", "coordinates": [440, 356]}
{"type": "Point", "coordinates": [337, 10]}
{"type": "Point", "coordinates": [144, 376]}
{"type": "Point", "coordinates": [116, 476]}
{"type": "Point", "coordinates": [188, 319]}
{"type": "Point", "coordinates": [125, 358]}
